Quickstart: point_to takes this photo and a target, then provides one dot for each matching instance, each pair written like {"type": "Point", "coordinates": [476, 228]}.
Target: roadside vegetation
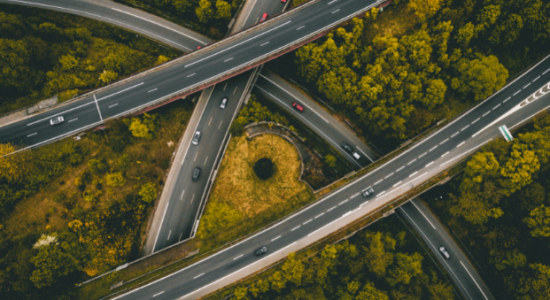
{"type": "Point", "coordinates": [44, 53]}
{"type": "Point", "coordinates": [382, 263]}
{"type": "Point", "coordinates": [500, 208]}
{"type": "Point", "coordinates": [74, 209]}
{"type": "Point", "coordinates": [397, 72]}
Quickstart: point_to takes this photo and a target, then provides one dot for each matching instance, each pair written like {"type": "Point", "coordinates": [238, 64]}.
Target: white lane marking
{"type": "Point", "coordinates": [397, 183]}
{"type": "Point", "coordinates": [307, 221]}
{"type": "Point", "coordinates": [75, 119]}
{"type": "Point", "coordinates": [380, 194]}
{"type": "Point", "coordinates": [152, 90]}
{"type": "Point", "coordinates": [433, 148]}
{"type": "Point", "coordinates": [413, 174]}
{"type": "Point", "coordinates": [331, 2]}
{"type": "Point", "coordinates": [335, 11]}
{"type": "Point", "coordinates": [545, 71]}
{"type": "Point", "coordinates": [486, 113]}
{"type": "Point", "coordinates": [196, 155]}
{"type": "Point", "coordinates": [198, 276]}
{"type": "Point", "coordinates": [445, 154]}
{"type": "Point", "coordinates": [169, 235]}
{"type": "Point", "coordinates": [422, 155]}
{"type": "Point", "coordinates": [113, 105]}
{"type": "Point", "coordinates": [378, 181]}
{"type": "Point", "coordinates": [420, 176]}
{"type": "Point", "coordinates": [354, 196]}
{"type": "Point", "coordinates": [226, 83]}
{"type": "Point", "coordinates": [476, 120]}
{"type": "Point", "coordinates": [474, 280]}
{"type": "Point", "coordinates": [328, 210]}
{"type": "Point", "coordinates": [429, 164]}
{"type": "Point", "coordinates": [205, 160]}
{"type": "Point", "coordinates": [527, 85]}
{"type": "Point", "coordinates": [364, 153]}
{"type": "Point", "coordinates": [121, 91]}
{"type": "Point", "coordinates": [343, 202]}
{"type": "Point", "coordinates": [228, 59]}
{"type": "Point", "coordinates": [220, 124]}
{"type": "Point", "coordinates": [182, 193]}
{"type": "Point", "coordinates": [192, 198]}
{"type": "Point", "coordinates": [465, 128]}
{"type": "Point", "coordinates": [508, 98]}
{"type": "Point", "coordinates": [452, 136]}
{"type": "Point", "coordinates": [443, 142]}
{"type": "Point", "coordinates": [158, 24]}
{"type": "Point", "coordinates": [410, 162]}
{"type": "Point", "coordinates": [496, 106]}
{"type": "Point", "coordinates": [276, 238]}
{"type": "Point", "coordinates": [400, 169]}
{"type": "Point", "coordinates": [238, 257]}
{"type": "Point", "coordinates": [536, 79]}
{"type": "Point", "coordinates": [300, 27]}
{"type": "Point", "coordinates": [322, 228]}
{"type": "Point", "coordinates": [388, 175]}
{"type": "Point", "coordinates": [461, 144]}
{"type": "Point", "coordinates": [237, 44]}
{"type": "Point", "coordinates": [157, 294]}
{"type": "Point", "coordinates": [98, 111]}
{"type": "Point", "coordinates": [236, 88]}
{"type": "Point", "coordinates": [423, 215]}
{"type": "Point", "coordinates": [319, 215]}
{"type": "Point", "coordinates": [210, 120]}
{"type": "Point", "coordinates": [292, 95]}
{"type": "Point", "coordinates": [467, 151]}
{"type": "Point", "coordinates": [295, 227]}
{"type": "Point", "coordinates": [264, 44]}
{"type": "Point", "coordinates": [516, 93]}
{"type": "Point", "coordinates": [32, 134]}
{"type": "Point", "coordinates": [191, 75]}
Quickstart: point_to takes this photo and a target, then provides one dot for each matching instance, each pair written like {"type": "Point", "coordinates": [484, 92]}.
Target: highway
{"type": "Point", "coordinates": [425, 159]}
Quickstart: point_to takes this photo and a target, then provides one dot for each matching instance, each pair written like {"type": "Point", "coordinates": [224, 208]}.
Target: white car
{"type": "Point", "coordinates": [224, 103]}
{"type": "Point", "coordinates": [196, 138]}
{"type": "Point", "coordinates": [57, 120]}
{"type": "Point", "coordinates": [444, 252]}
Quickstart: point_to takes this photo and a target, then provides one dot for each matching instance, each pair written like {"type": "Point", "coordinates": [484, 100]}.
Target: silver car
{"type": "Point", "coordinates": [196, 138]}
{"type": "Point", "coordinates": [444, 252]}
{"type": "Point", "coordinates": [224, 103]}
{"type": "Point", "coordinates": [57, 120]}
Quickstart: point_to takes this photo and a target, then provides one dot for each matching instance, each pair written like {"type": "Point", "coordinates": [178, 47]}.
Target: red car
{"type": "Point", "coordinates": [264, 17]}
{"type": "Point", "coordinates": [298, 107]}
{"type": "Point", "coordinates": [284, 1]}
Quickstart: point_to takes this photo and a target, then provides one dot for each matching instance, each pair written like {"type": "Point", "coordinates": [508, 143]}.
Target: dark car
{"type": "Point", "coordinates": [264, 17]}
{"type": "Point", "coordinates": [261, 251]}
{"type": "Point", "coordinates": [196, 174]}
{"type": "Point", "coordinates": [346, 147]}
{"type": "Point", "coordinates": [368, 192]}
{"type": "Point", "coordinates": [298, 107]}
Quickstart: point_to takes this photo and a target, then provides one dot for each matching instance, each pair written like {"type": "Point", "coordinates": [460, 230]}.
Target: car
{"type": "Point", "coordinates": [224, 102]}
{"type": "Point", "coordinates": [444, 252]}
{"type": "Point", "coordinates": [57, 120]}
{"type": "Point", "coordinates": [260, 251]}
{"type": "Point", "coordinates": [368, 192]}
{"type": "Point", "coordinates": [357, 156]}
{"type": "Point", "coordinates": [298, 107]}
{"type": "Point", "coordinates": [198, 47]}
{"type": "Point", "coordinates": [196, 174]}
{"type": "Point", "coordinates": [284, 1]}
{"type": "Point", "coordinates": [264, 17]}
{"type": "Point", "coordinates": [346, 147]}
{"type": "Point", "coordinates": [196, 138]}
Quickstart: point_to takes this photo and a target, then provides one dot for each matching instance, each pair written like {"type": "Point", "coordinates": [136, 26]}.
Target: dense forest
{"type": "Point", "coordinates": [44, 52]}
{"type": "Point", "coordinates": [377, 264]}
{"type": "Point", "coordinates": [500, 207]}
{"type": "Point", "coordinates": [393, 87]}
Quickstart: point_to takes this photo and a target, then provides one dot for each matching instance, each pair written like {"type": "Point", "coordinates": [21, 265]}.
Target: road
{"type": "Point", "coordinates": [423, 160]}
{"type": "Point", "coordinates": [190, 73]}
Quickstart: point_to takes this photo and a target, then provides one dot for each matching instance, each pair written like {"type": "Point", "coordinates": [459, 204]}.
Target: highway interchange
{"type": "Point", "coordinates": [450, 147]}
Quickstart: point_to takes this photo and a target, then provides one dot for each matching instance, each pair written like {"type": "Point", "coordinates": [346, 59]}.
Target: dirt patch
{"type": "Point", "coordinates": [395, 20]}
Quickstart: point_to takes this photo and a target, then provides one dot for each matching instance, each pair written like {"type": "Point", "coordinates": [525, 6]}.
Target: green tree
{"type": "Point", "coordinates": [482, 166]}
{"type": "Point", "coordinates": [480, 77]}
{"type": "Point", "coordinates": [68, 62]}
{"type": "Point", "coordinates": [293, 269]}
{"type": "Point", "coordinates": [13, 167]}
{"type": "Point", "coordinates": [531, 197]}
{"type": "Point", "coordinates": [14, 60]}
{"type": "Point", "coordinates": [478, 205]}
{"type": "Point", "coordinates": [370, 292]}
{"type": "Point", "coordinates": [240, 293]}
{"type": "Point", "coordinates": [440, 291]}
{"type": "Point", "coordinates": [330, 160]}
{"type": "Point", "coordinates": [204, 11]}
{"type": "Point", "coordinates": [139, 129]}
{"type": "Point", "coordinates": [97, 166]}
{"type": "Point", "coordinates": [162, 59]}
{"type": "Point", "coordinates": [50, 32]}
{"type": "Point", "coordinates": [108, 76]}
{"type": "Point", "coordinates": [115, 179]}
{"type": "Point", "coordinates": [435, 93]}
{"type": "Point", "coordinates": [183, 6]}
{"type": "Point", "coordinates": [505, 259]}
{"type": "Point", "coordinates": [223, 10]}
{"type": "Point", "coordinates": [405, 268]}
{"type": "Point", "coordinates": [148, 192]}
{"type": "Point", "coordinates": [539, 221]}
{"type": "Point", "coordinates": [519, 169]}
{"type": "Point", "coordinates": [425, 8]}
{"type": "Point", "coordinates": [465, 34]}
{"type": "Point", "coordinates": [377, 256]}
{"type": "Point", "coordinates": [533, 285]}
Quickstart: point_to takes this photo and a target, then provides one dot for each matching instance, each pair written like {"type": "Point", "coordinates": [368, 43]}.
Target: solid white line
{"type": "Point", "coordinates": [378, 181]}
{"type": "Point", "coordinates": [113, 105]}
{"type": "Point", "coordinates": [295, 227]}
{"type": "Point", "coordinates": [397, 183]}
{"type": "Point", "coordinates": [461, 144]}
{"type": "Point", "coordinates": [264, 44]}
{"type": "Point", "coordinates": [464, 128]}
{"type": "Point", "coordinates": [467, 151]}
{"type": "Point", "coordinates": [423, 215]}
{"type": "Point", "coordinates": [364, 203]}
{"type": "Point", "coordinates": [198, 276]}
{"type": "Point", "coordinates": [335, 11]}
{"type": "Point", "coordinates": [32, 134]}
{"type": "Point", "coordinates": [331, 208]}
{"type": "Point", "coordinates": [413, 174]}
{"type": "Point", "coordinates": [364, 153]}
{"type": "Point", "coordinates": [420, 176]}
{"type": "Point", "coordinates": [157, 294]}
{"type": "Point", "coordinates": [475, 120]}
{"type": "Point", "coordinates": [343, 202]}
{"type": "Point", "coordinates": [474, 280]}
{"type": "Point", "coordinates": [307, 221]}
{"type": "Point", "coordinates": [380, 194]}
{"type": "Point", "coordinates": [545, 71]}
{"type": "Point", "coordinates": [331, 2]}
{"type": "Point", "coordinates": [275, 238]}
{"type": "Point", "coordinates": [98, 111]}
{"type": "Point", "coordinates": [400, 169]}
{"type": "Point", "coordinates": [527, 85]}
{"type": "Point", "coordinates": [238, 257]}
{"type": "Point", "coordinates": [60, 113]}
{"type": "Point", "coordinates": [228, 59]}
{"type": "Point", "coordinates": [300, 27]}
{"type": "Point", "coordinates": [388, 176]}
{"type": "Point", "coordinates": [320, 215]}
{"type": "Point", "coordinates": [152, 90]}
{"type": "Point", "coordinates": [429, 164]}
{"type": "Point", "coordinates": [433, 148]}
{"type": "Point", "coordinates": [410, 162]}
{"type": "Point", "coordinates": [354, 196]}
{"type": "Point", "coordinates": [452, 136]}
{"type": "Point", "coordinates": [445, 154]}
{"type": "Point", "coordinates": [238, 44]}
{"type": "Point", "coordinates": [191, 75]}
{"type": "Point", "coordinates": [486, 113]}
{"type": "Point", "coordinates": [121, 91]}
{"type": "Point", "coordinates": [536, 79]}
{"type": "Point", "coordinates": [73, 120]}
{"type": "Point", "coordinates": [422, 155]}
{"type": "Point", "coordinates": [508, 98]}
{"type": "Point", "coordinates": [496, 106]}
{"type": "Point", "coordinates": [516, 93]}
{"type": "Point", "coordinates": [324, 227]}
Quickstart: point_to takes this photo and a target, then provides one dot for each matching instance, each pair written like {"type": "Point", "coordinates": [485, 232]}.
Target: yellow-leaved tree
{"type": "Point", "coordinates": [12, 166]}
{"type": "Point", "coordinates": [425, 8]}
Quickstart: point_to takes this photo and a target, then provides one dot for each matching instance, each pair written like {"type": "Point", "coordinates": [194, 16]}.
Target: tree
{"type": "Point", "coordinates": [478, 205]}
{"type": "Point", "coordinates": [162, 59]}
{"type": "Point", "coordinates": [406, 267]}
{"type": "Point", "coordinates": [435, 93]}
{"type": "Point", "coordinates": [97, 166]}
{"type": "Point", "coordinates": [441, 291]}
{"type": "Point", "coordinates": [204, 11]}
{"type": "Point", "coordinates": [223, 10]}
{"type": "Point", "coordinates": [425, 8]}
{"type": "Point", "coordinates": [139, 129]}
{"type": "Point", "coordinates": [535, 285]}
{"type": "Point", "coordinates": [14, 59]}
{"type": "Point", "coordinates": [370, 292]}
{"type": "Point", "coordinates": [12, 166]}
{"type": "Point", "coordinates": [108, 76]}
{"type": "Point", "coordinates": [293, 269]}
{"type": "Point", "coordinates": [531, 197]}
{"type": "Point", "coordinates": [519, 169]}
{"type": "Point", "coordinates": [465, 34]}
{"type": "Point", "coordinates": [505, 259]}
{"type": "Point", "coordinates": [330, 160]}
{"type": "Point", "coordinates": [240, 293]}
{"type": "Point", "coordinates": [68, 62]}
{"type": "Point", "coordinates": [183, 6]}
{"type": "Point", "coordinates": [377, 254]}
{"type": "Point", "coordinates": [148, 192]}
{"type": "Point", "coordinates": [480, 77]}
{"type": "Point", "coordinates": [115, 179]}
{"type": "Point", "coordinates": [539, 221]}
{"type": "Point", "coordinates": [482, 166]}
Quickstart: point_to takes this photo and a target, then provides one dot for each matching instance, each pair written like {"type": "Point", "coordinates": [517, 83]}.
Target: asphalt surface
{"type": "Point", "coordinates": [425, 159]}
{"type": "Point", "coordinates": [461, 271]}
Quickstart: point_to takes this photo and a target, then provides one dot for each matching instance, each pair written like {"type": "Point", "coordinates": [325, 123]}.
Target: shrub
{"type": "Point", "coordinates": [148, 192]}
